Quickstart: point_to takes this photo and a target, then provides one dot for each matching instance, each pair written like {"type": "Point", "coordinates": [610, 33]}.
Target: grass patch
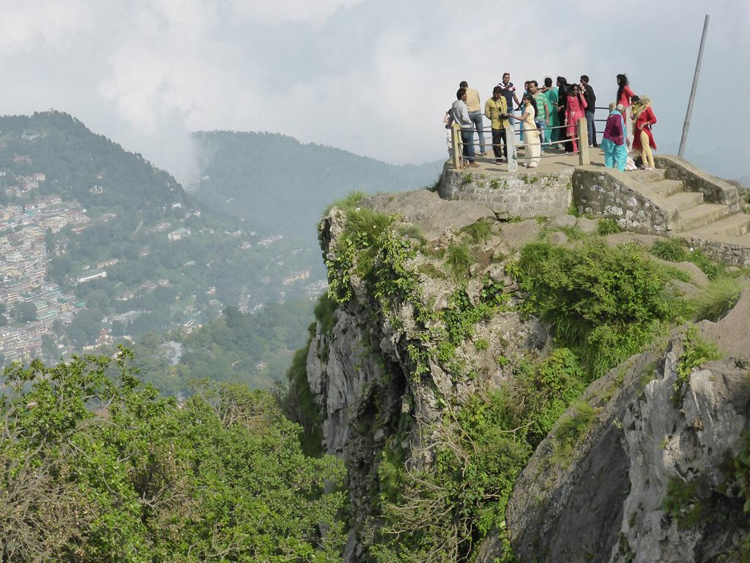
{"type": "Point", "coordinates": [459, 259]}
{"type": "Point", "coordinates": [573, 232]}
{"type": "Point", "coordinates": [570, 428]}
{"type": "Point", "coordinates": [677, 250]}
{"type": "Point", "coordinates": [435, 186]}
{"type": "Point", "coordinates": [478, 232]}
{"type": "Point", "coordinates": [325, 313]}
{"type": "Point", "coordinates": [412, 231]}
{"type": "Point", "coordinates": [697, 352]}
{"type": "Point", "coordinates": [685, 500]}
{"type": "Point", "coordinates": [716, 299]}
{"type": "Point", "coordinates": [348, 202]}
{"type": "Point", "coordinates": [431, 271]}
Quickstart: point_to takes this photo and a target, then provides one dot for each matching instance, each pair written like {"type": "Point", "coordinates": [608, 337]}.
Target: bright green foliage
{"type": "Point", "coordinates": [676, 250]}
{"type": "Point", "coordinates": [443, 514]}
{"type": "Point", "coordinates": [94, 467]}
{"type": "Point", "coordinates": [360, 250]}
{"type": "Point", "coordinates": [574, 233]}
{"type": "Point", "coordinates": [540, 393]}
{"type": "Point", "coordinates": [605, 303]}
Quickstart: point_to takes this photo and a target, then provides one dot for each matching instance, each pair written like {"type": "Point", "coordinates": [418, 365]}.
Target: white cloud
{"type": "Point", "coordinates": [26, 25]}
{"type": "Point", "coordinates": [302, 11]}
{"type": "Point", "coordinates": [370, 76]}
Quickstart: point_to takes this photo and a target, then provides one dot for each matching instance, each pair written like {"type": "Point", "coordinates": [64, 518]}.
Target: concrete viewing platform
{"type": "Point", "coordinates": [676, 199]}
{"type": "Point", "coordinates": [553, 160]}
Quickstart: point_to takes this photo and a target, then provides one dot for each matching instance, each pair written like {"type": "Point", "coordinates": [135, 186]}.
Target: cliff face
{"type": "Point", "coordinates": [415, 341]}
{"type": "Point", "coordinates": [650, 479]}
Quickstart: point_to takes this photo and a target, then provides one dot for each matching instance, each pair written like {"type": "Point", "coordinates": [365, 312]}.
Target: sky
{"type": "Point", "coordinates": [373, 77]}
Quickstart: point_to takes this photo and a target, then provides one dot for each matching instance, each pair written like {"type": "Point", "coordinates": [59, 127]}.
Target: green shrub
{"type": "Point", "coordinates": [607, 226]}
{"type": "Point", "coordinates": [325, 312]}
{"type": "Point", "coordinates": [442, 514]}
{"type": "Point", "coordinates": [696, 352]}
{"type": "Point", "coordinates": [685, 500]}
{"type": "Point", "coordinates": [605, 303]}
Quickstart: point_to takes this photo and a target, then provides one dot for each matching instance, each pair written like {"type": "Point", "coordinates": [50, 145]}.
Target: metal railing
{"type": "Point", "coordinates": [455, 143]}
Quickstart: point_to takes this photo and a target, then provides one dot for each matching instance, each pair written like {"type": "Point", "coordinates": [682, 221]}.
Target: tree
{"type": "Point", "coordinates": [23, 312]}
{"type": "Point", "coordinates": [49, 240]}
{"type": "Point", "coordinates": [96, 467]}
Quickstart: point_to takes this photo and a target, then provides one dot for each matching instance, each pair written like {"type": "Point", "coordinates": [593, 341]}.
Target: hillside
{"type": "Point", "coordinates": [99, 245]}
{"type": "Point", "coordinates": [247, 175]}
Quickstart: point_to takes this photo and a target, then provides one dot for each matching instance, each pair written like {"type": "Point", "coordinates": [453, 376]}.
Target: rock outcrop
{"type": "Point", "coordinates": [647, 481]}
{"type": "Point", "coordinates": [649, 451]}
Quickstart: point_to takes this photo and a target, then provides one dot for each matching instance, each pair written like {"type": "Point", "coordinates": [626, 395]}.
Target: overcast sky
{"type": "Point", "coordinates": [370, 76]}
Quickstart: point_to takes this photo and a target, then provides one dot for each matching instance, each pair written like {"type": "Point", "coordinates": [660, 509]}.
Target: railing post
{"type": "Point", "coordinates": [584, 158]}
{"type": "Point", "coordinates": [510, 144]}
{"type": "Point", "coordinates": [456, 148]}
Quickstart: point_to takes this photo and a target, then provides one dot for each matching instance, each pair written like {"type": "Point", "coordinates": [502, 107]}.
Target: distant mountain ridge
{"type": "Point", "coordinates": [275, 182]}
{"type": "Point", "coordinates": [105, 245]}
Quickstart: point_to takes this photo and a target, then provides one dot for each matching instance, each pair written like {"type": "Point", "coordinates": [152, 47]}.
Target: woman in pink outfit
{"type": "Point", "coordinates": [576, 110]}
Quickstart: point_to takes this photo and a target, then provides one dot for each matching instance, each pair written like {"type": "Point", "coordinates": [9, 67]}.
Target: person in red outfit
{"type": "Point", "coordinates": [643, 138]}
{"type": "Point", "coordinates": [575, 110]}
{"type": "Point", "coordinates": [624, 97]}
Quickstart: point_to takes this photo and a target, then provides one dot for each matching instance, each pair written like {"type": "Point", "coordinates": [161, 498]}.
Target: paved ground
{"type": "Point", "coordinates": [552, 160]}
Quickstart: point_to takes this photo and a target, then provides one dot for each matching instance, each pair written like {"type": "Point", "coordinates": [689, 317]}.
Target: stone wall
{"type": "Point", "coordinates": [607, 193]}
{"type": "Point", "coordinates": [715, 190]}
{"type": "Point", "coordinates": [523, 194]}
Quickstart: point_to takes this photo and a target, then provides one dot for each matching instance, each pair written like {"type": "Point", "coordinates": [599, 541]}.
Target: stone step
{"type": "Point", "coordinates": [683, 201]}
{"type": "Point", "coordinates": [665, 188]}
{"type": "Point", "coordinates": [649, 176]}
{"type": "Point", "coordinates": [735, 225]}
{"type": "Point", "coordinates": [699, 216]}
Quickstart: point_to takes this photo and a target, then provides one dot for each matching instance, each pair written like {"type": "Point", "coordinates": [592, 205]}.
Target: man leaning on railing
{"type": "Point", "coordinates": [460, 114]}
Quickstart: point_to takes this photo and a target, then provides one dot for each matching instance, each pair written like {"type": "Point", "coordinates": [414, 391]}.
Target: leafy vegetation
{"type": "Point", "coordinates": [443, 513]}
{"type": "Point", "coordinates": [604, 303]}
{"type": "Point", "coordinates": [249, 348]}
{"type": "Point", "coordinates": [96, 467]}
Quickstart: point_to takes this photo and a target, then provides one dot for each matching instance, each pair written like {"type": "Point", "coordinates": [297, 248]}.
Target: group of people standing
{"type": "Point", "coordinates": [629, 109]}
{"type": "Point", "coordinates": [549, 116]}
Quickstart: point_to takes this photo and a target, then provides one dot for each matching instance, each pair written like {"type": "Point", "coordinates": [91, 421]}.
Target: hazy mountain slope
{"type": "Point", "coordinates": [98, 238]}
{"type": "Point", "coordinates": [276, 183]}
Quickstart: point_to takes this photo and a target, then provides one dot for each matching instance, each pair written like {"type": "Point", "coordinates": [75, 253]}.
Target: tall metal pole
{"type": "Point", "coordinates": [686, 126]}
